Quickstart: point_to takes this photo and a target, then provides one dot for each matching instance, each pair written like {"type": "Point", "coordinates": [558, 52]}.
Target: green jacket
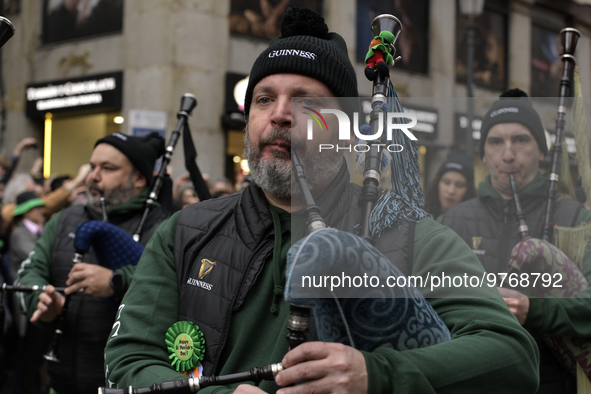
{"type": "Point", "coordinates": [484, 333]}
{"type": "Point", "coordinates": [36, 270]}
{"type": "Point", "coordinates": [89, 319]}
{"type": "Point", "coordinates": [552, 316]}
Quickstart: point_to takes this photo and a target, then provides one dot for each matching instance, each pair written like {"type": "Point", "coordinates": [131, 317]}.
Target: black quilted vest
{"type": "Point", "coordinates": [491, 229]}
{"type": "Point", "coordinates": [236, 233]}
{"type": "Point", "coordinates": [490, 225]}
{"type": "Point", "coordinates": [89, 319]}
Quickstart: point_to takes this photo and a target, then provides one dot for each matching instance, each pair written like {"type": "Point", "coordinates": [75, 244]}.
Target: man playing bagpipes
{"type": "Point", "coordinates": [121, 172]}
{"type": "Point", "coordinates": [513, 142]}
{"type": "Point", "coordinates": [207, 296]}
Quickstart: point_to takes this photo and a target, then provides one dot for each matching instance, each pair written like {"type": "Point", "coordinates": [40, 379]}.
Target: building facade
{"type": "Point", "coordinates": [77, 73]}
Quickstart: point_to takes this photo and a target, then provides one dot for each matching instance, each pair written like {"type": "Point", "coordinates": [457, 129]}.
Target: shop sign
{"type": "Point", "coordinates": [93, 92]}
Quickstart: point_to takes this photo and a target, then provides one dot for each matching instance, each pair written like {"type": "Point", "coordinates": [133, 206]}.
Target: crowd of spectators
{"type": "Point", "coordinates": [27, 201]}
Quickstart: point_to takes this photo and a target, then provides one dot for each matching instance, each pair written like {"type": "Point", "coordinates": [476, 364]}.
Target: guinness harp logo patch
{"type": "Point", "coordinates": [206, 267]}
{"type": "Point", "coordinates": [475, 243]}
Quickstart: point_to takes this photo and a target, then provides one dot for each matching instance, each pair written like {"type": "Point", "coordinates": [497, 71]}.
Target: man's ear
{"type": "Point", "coordinates": [139, 180]}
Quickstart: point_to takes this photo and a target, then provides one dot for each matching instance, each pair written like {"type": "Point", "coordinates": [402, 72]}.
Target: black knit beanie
{"type": "Point", "coordinates": [306, 47]}
{"type": "Point", "coordinates": [141, 151]}
{"type": "Point", "coordinates": [459, 162]}
{"type": "Point", "coordinates": [514, 106]}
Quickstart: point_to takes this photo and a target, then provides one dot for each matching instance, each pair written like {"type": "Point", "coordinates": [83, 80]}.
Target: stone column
{"type": "Point", "coordinates": [178, 47]}
{"type": "Point", "coordinates": [519, 45]}
{"type": "Point", "coordinates": [442, 60]}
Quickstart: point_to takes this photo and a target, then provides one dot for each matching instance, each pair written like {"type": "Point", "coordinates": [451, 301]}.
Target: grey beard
{"type": "Point", "coordinates": [274, 175]}
{"type": "Point", "coordinates": [113, 198]}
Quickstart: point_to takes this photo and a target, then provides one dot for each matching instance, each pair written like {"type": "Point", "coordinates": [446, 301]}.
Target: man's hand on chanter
{"type": "Point", "coordinates": [517, 302]}
{"type": "Point", "coordinates": [49, 306]}
{"type": "Point", "coordinates": [90, 279]}
{"type": "Point", "coordinates": [326, 368]}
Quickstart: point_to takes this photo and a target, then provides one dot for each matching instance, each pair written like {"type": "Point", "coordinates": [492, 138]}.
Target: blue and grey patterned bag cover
{"type": "Point", "coordinates": [112, 246]}
{"type": "Point", "coordinates": [397, 317]}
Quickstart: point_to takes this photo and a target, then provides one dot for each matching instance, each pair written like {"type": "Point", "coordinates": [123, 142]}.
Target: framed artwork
{"type": "Point", "coordinates": [65, 20]}
{"type": "Point", "coordinates": [490, 49]}
{"type": "Point", "coordinates": [262, 18]}
{"type": "Point", "coordinates": [546, 66]}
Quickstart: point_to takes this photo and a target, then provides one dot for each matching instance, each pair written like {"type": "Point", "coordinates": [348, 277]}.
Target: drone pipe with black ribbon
{"type": "Point", "coordinates": [193, 385]}
{"type": "Point", "coordinates": [569, 39]}
{"type": "Point", "coordinates": [188, 103]}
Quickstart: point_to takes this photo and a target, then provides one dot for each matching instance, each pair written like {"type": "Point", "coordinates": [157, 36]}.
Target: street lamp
{"type": "Point", "coordinates": [470, 9]}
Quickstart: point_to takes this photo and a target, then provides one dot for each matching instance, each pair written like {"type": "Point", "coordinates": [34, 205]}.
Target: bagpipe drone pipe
{"type": "Point", "coordinates": [559, 277]}
{"type": "Point", "coordinates": [539, 256]}
{"type": "Point", "coordinates": [399, 318]}
{"type": "Point", "coordinates": [188, 103]}
{"type": "Point", "coordinates": [112, 246]}
{"type": "Point", "coordinates": [534, 255]}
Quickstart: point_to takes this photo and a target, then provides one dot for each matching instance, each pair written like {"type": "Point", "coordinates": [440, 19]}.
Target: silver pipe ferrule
{"type": "Point", "coordinates": [276, 368]}
{"type": "Point", "coordinates": [372, 174]}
